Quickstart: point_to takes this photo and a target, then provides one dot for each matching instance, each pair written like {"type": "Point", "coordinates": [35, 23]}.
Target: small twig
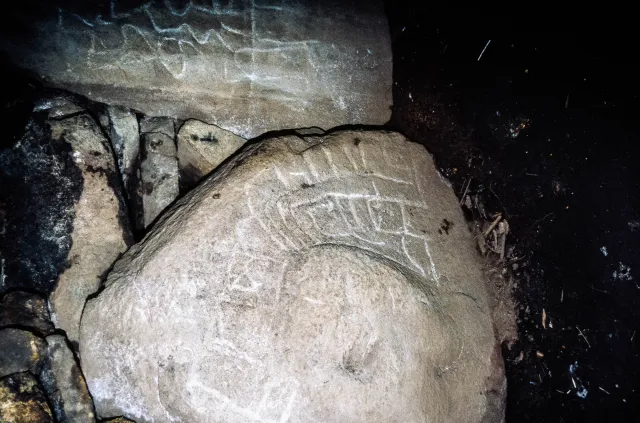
{"type": "Point", "coordinates": [599, 290]}
{"type": "Point", "coordinates": [544, 318]}
{"type": "Point", "coordinates": [585, 338]}
{"type": "Point", "coordinates": [465, 191]}
{"type": "Point", "coordinates": [531, 174]}
{"type": "Point", "coordinates": [604, 390]}
{"type": "Point", "coordinates": [562, 295]}
{"type": "Point", "coordinates": [493, 225]}
{"type": "Point", "coordinates": [485, 47]}
{"type": "Point", "coordinates": [541, 220]}
{"type": "Point", "coordinates": [633, 335]}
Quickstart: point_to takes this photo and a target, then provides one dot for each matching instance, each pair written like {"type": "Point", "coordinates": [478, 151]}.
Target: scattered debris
{"type": "Point", "coordinates": [604, 251]}
{"type": "Point", "coordinates": [516, 128]}
{"type": "Point", "coordinates": [623, 273]}
{"type": "Point", "coordinates": [584, 337]}
{"type": "Point", "coordinates": [482, 52]}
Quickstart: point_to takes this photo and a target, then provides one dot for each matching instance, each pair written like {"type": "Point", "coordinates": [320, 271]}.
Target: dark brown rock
{"type": "Point", "coordinates": [22, 400]}
{"type": "Point", "coordinates": [20, 351]}
{"type": "Point", "coordinates": [25, 309]}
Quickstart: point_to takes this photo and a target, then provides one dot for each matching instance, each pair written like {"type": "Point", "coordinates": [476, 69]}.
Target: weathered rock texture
{"type": "Point", "coordinates": [20, 351]}
{"type": "Point", "coordinates": [64, 384]}
{"type": "Point", "coordinates": [248, 66]}
{"type": "Point", "coordinates": [124, 133]}
{"type": "Point", "coordinates": [326, 279]}
{"type": "Point", "coordinates": [22, 400]}
{"type": "Point", "coordinates": [64, 218]}
{"type": "Point", "coordinates": [100, 223]}
{"type": "Point", "coordinates": [159, 168]}
{"type": "Point", "coordinates": [24, 309]}
{"type": "Point", "coordinates": [201, 148]}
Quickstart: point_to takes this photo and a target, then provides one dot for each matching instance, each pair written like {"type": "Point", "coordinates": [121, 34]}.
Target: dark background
{"type": "Point", "coordinates": [564, 173]}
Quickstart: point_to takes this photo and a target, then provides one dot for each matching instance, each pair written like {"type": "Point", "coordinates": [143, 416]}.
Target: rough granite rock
{"type": "Point", "coordinates": [100, 223]}
{"type": "Point", "coordinates": [67, 222]}
{"type": "Point", "coordinates": [201, 148]}
{"type": "Point", "coordinates": [124, 134]}
{"type": "Point", "coordinates": [161, 124]}
{"type": "Point", "coordinates": [20, 351]}
{"type": "Point", "coordinates": [22, 400]}
{"type": "Point", "coordinates": [325, 279]}
{"type": "Point", "coordinates": [159, 168]}
{"type": "Point", "coordinates": [25, 309]}
{"type": "Point", "coordinates": [64, 384]}
{"type": "Point", "coordinates": [248, 66]}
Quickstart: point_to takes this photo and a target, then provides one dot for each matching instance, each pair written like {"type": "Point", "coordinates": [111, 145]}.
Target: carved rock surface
{"type": "Point", "coordinates": [201, 148]}
{"type": "Point", "coordinates": [324, 279]}
{"type": "Point", "coordinates": [248, 66]}
{"type": "Point", "coordinates": [22, 400]}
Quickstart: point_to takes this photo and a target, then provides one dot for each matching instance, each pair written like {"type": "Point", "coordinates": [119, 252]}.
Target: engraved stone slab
{"type": "Point", "coordinates": [248, 66]}
{"type": "Point", "coordinates": [307, 280]}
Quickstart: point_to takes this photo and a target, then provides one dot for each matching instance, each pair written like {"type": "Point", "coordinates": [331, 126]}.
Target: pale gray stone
{"type": "Point", "coordinates": [307, 280]}
{"type": "Point", "coordinates": [248, 66]}
{"type": "Point", "coordinates": [159, 175]}
{"type": "Point", "coordinates": [100, 229]}
{"type": "Point", "coordinates": [158, 124]}
{"type": "Point", "coordinates": [25, 309]}
{"type": "Point", "coordinates": [201, 148]}
{"type": "Point", "coordinates": [64, 384]}
{"type": "Point", "coordinates": [124, 132]}
{"type": "Point", "coordinates": [20, 351]}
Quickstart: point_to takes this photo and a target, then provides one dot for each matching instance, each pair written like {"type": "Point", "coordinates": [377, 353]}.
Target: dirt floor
{"type": "Point", "coordinates": [534, 120]}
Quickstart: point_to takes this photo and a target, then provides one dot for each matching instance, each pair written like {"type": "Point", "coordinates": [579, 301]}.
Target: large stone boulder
{"type": "Point", "coordinates": [64, 219]}
{"type": "Point", "coordinates": [248, 66]}
{"type": "Point", "coordinates": [320, 279]}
